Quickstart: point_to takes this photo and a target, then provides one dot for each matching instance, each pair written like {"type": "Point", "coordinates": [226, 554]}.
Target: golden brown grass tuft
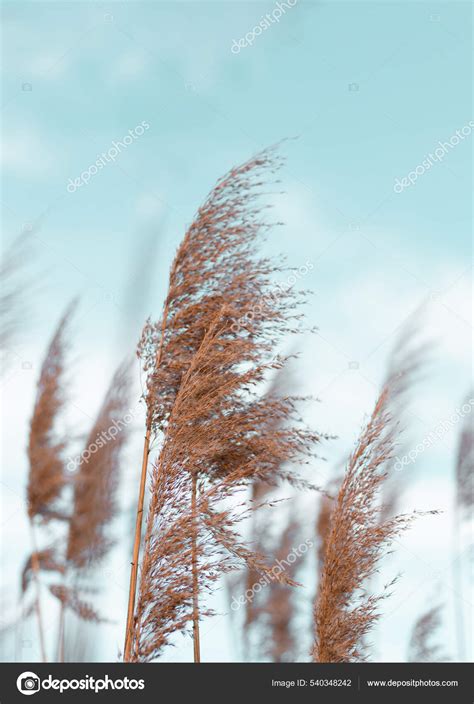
{"type": "Point", "coordinates": [217, 441]}
{"type": "Point", "coordinates": [46, 478]}
{"type": "Point", "coordinates": [95, 486]}
{"type": "Point", "coordinates": [323, 525]}
{"type": "Point", "coordinates": [71, 599]}
{"type": "Point", "coordinates": [204, 360]}
{"type": "Point", "coordinates": [213, 261]}
{"type": "Point", "coordinates": [357, 539]}
{"type": "Point", "coordinates": [97, 479]}
{"type": "Point", "coordinates": [277, 602]}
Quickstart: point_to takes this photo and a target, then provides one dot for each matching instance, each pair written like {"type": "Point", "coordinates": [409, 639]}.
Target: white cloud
{"type": "Point", "coordinates": [25, 153]}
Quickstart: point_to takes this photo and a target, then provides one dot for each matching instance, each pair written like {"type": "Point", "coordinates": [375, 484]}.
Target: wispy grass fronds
{"type": "Point", "coordinates": [70, 598]}
{"type": "Point", "coordinates": [14, 284]}
{"type": "Point", "coordinates": [214, 256]}
{"type": "Point", "coordinates": [465, 461]}
{"type": "Point", "coordinates": [95, 487]}
{"type": "Point", "coordinates": [276, 605]}
{"type": "Point", "coordinates": [47, 562]}
{"type": "Point", "coordinates": [217, 441]}
{"type": "Point", "coordinates": [215, 343]}
{"type": "Point", "coordinates": [46, 478]}
{"type": "Point", "coordinates": [96, 481]}
{"type": "Point", "coordinates": [217, 255]}
{"type": "Point", "coordinates": [323, 525]}
{"type": "Point", "coordinates": [407, 363]}
{"type": "Point", "coordinates": [343, 612]}
{"type": "Point", "coordinates": [423, 645]}
{"type": "Point", "coordinates": [261, 538]}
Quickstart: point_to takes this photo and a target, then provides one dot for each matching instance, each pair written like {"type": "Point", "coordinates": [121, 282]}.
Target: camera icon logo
{"type": "Point", "coordinates": [28, 683]}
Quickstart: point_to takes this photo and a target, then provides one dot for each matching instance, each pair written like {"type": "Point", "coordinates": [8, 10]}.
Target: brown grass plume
{"type": "Point", "coordinates": [357, 540]}
{"type": "Point", "coordinates": [204, 359]}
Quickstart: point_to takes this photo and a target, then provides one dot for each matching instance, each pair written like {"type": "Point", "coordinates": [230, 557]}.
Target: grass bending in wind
{"type": "Point", "coordinates": [344, 613]}
{"type": "Point", "coordinates": [205, 361]}
{"type": "Point", "coordinates": [46, 478]}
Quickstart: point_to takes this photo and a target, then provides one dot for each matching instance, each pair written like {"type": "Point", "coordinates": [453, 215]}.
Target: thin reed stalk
{"type": "Point", "coordinates": [136, 546]}
{"type": "Point", "coordinates": [132, 592]}
{"type": "Point", "coordinates": [194, 563]}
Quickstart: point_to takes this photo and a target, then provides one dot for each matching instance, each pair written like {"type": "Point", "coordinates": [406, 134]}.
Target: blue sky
{"type": "Point", "coordinates": [369, 89]}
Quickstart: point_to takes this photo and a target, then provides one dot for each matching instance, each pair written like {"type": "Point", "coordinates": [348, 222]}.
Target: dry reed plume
{"type": "Point", "coordinates": [222, 444]}
{"type": "Point", "coordinates": [13, 284]}
{"type": "Point", "coordinates": [96, 481]}
{"type": "Point", "coordinates": [276, 603]}
{"type": "Point", "coordinates": [217, 443]}
{"type": "Point", "coordinates": [407, 361]}
{"type": "Point", "coordinates": [46, 477]}
{"type": "Point", "coordinates": [47, 561]}
{"type": "Point", "coordinates": [423, 646]}
{"type": "Point", "coordinates": [323, 524]}
{"type": "Point", "coordinates": [203, 374]}
{"type": "Point", "coordinates": [95, 486]}
{"type": "Point", "coordinates": [267, 629]}
{"type": "Point", "coordinates": [260, 537]}
{"type": "Point", "coordinates": [216, 250]}
{"type": "Point", "coordinates": [357, 539]}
